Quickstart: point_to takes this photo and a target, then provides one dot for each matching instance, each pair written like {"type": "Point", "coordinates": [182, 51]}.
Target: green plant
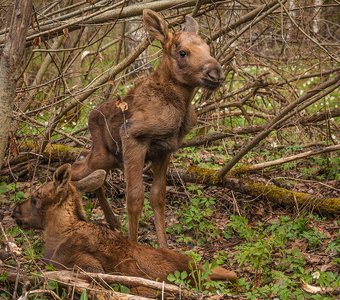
{"type": "Point", "coordinates": [120, 288]}
{"type": "Point", "coordinates": [179, 278]}
{"type": "Point", "coordinates": [239, 225]}
{"type": "Point", "coordinates": [83, 295]}
{"type": "Point", "coordinates": [3, 276]}
{"type": "Point", "coordinates": [198, 276]}
{"type": "Point", "coordinates": [268, 252]}
{"type": "Point", "coordinates": [13, 190]}
{"type": "Point", "coordinates": [195, 219]}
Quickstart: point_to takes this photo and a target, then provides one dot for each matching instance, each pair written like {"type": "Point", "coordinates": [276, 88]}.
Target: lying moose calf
{"type": "Point", "coordinates": [69, 240]}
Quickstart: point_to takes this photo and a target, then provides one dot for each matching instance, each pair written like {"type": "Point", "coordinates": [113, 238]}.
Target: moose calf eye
{"type": "Point", "coordinates": [183, 53]}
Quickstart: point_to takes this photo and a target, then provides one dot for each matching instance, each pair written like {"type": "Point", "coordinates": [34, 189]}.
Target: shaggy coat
{"type": "Point", "coordinates": [69, 240]}
{"type": "Point", "coordinates": [159, 114]}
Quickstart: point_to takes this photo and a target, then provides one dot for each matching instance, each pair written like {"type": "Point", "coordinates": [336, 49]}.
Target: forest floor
{"type": "Point", "coordinates": [274, 249]}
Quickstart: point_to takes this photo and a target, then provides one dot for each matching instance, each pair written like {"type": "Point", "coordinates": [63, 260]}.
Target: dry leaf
{"type": "Point", "coordinates": [122, 105]}
{"type": "Point", "coordinates": [14, 248]}
{"type": "Point", "coordinates": [312, 289]}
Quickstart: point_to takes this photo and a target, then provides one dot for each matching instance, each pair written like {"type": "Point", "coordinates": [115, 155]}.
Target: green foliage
{"type": "Point", "coordinates": [268, 252]}
{"type": "Point", "coordinates": [179, 278]}
{"type": "Point", "coordinates": [83, 295]}
{"type": "Point", "coordinates": [198, 277]}
{"type": "Point", "coordinates": [147, 212]}
{"type": "Point", "coordinates": [3, 276]}
{"type": "Point", "coordinates": [52, 285]}
{"type": "Point", "coordinates": [239, 225]}
{"type": "Point", "coordinates": [211, 158]}
{"type": "Point", "coordinates": [120, 288]}
{"type": "Point", "coordinates": [50, 268]}
{"type": "Point", "coordinates": [13, 190]}
{"type": "Point", "coordinates": [195, 220]}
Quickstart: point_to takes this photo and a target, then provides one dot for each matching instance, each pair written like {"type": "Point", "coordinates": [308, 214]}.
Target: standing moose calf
{"type": "Point", "coordinates": [69, 240]}
{"type": "Point", "coordinates": [158, 117]}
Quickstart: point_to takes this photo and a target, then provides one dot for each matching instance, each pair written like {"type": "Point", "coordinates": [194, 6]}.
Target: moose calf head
{"type": "Point", "coordinates": [185, 54]}
{"type": "Point", "coordinates": [32, 212]}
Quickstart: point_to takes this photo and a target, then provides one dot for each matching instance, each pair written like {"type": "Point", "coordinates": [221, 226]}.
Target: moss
{"type": "Point", "coordinates": [259, 189]}
{"type": "Point", "coordinates": [284, 196]}
{"type": "Point", "coordinates": [204, 175]}
{"type": "Point", "coordinates": [53, 151]}
{"type": "Point", "coordinates": [239, 170]}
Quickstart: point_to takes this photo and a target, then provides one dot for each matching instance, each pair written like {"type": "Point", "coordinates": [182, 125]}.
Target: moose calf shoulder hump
{"type": "Point", "coordinates": [159, 115]}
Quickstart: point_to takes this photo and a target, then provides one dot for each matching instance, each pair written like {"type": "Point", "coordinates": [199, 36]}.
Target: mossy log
{"type": "Point", "coordinates": [59, 152]}
{"type": "Point", "coordinates": [53, 151]}
{"type": "Point", "coordinates": [259, 189]}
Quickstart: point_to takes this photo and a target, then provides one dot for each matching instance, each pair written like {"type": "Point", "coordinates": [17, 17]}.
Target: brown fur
{"type": "Point", "coordinates": [69, 240]}
{"type": "Point", "coordinates": [159, 115]}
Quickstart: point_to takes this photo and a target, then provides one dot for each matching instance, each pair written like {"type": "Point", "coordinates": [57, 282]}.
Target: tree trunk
{"type": "Point", "coordinates": [10, 62]}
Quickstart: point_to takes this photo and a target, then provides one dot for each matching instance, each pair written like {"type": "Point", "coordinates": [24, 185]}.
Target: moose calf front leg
{"type": "Point", "coordinates": [157, 197]}
{"type": "Point", "coordinates": [134, 156]}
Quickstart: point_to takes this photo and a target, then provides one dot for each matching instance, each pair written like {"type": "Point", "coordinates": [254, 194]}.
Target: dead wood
{"type": "Point", "coordinates": [312, 289]}
{"type": "Point", "coordinates": [206, 139]}
{"type": "Point", "coordinates": [30, 151]}
{"type": "Point", "coordinates": [283, 160]}
{"type": "Point", "coordinates": [52, 151]}
{"type": "Point", "coordinates": [102, 16]}
{"type": "Point", "coordinates": [84, 279]}
{"type": "Point", "coordinates": [259, 189]}
{"type": "Point", "coordinates": [245, 18]}
{"type": "Point", "coordinates": [285, 114]}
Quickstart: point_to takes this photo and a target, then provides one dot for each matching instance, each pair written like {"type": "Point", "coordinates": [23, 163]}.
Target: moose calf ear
{"type": "Point", "coordinates": [91, 182]}
{"type": "Point", "coordinates": [156, 26]}
{"type": "Point", "coordinates": [61, 178]}
{"type": "Point", "coordinates": [190, 25]}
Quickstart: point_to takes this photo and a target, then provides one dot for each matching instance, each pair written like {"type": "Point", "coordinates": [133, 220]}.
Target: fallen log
{"type": "Point", "coordinates": [58, 152]}
{"type": "Point", "coordinates": [259, 189]}
{"type": "Point", "coordinates": [29, 149]}
{"type": "Point", "coordinates": [52, 151]}
{"type": "Point", "coordinates": [83, 280]}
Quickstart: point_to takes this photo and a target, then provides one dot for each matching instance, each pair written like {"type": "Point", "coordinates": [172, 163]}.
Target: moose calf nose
{"type": "Point", "coordinates": [213, 72]}
{"type": "Point", "coordinates": [214, 75]}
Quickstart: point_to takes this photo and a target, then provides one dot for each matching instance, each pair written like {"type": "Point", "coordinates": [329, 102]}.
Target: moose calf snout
{"type": "Point", "coordinates": [213, 75]}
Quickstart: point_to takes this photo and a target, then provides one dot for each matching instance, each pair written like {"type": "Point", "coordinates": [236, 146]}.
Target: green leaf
{"type": "Point", "coordinates": [124, 289]}
{"type": "Point", "coordinates": [184, 275]}
{"type": "Point", "coordinates": [171, 277]}
{"type": "Point", "coordinates": [83, 295]}
{"type": "Point", "coordinates": [50, 268]}
{"type": "Point", "coordinates": [52, 285]}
